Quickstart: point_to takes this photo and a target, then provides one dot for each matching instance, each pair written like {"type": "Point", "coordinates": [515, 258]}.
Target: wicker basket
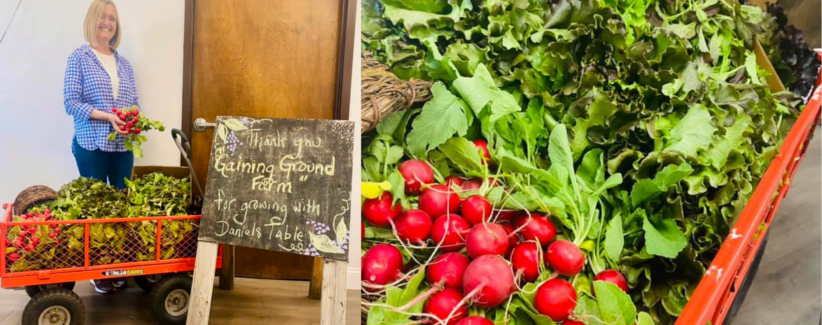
{"type": "Point", "coordinates": [32, 196]}
{"type": "Point", "coordinates": [383, 93]}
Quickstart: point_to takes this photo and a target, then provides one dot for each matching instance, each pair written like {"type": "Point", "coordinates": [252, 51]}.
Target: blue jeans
{"type": "Point", "coordinates": [110, 167]}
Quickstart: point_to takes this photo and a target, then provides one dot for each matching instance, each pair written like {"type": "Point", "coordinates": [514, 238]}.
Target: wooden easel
{"type": "Point", "coordinates": [332, 306]}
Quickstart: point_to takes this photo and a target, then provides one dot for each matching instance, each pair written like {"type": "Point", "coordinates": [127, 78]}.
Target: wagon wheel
{"type": "Point", "coordinates": [58, 306]}
{"type": "Point", "coordinates": [170, 299]}
{"type": "Point", "coordinates": [32, 196]}
{"type": "Point", "coordinates": [34, 290]}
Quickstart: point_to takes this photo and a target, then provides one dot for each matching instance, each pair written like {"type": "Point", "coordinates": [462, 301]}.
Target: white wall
{"type": "Point", "coordinates": [35, 136]}
{"type": "Point", "coordinates": [354, 259]}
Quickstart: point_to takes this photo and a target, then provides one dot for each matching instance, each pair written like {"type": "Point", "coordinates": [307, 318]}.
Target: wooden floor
{"type": "Point", "coordinates": [787, 288]}
{"type": "Point", "coordinates": [252, 302]}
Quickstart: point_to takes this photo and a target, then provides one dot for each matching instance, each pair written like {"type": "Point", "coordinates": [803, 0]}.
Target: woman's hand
{"type": "Point", "coordinates": [97, 114]}
{"type": "Point", "coordinates": [116, 122]}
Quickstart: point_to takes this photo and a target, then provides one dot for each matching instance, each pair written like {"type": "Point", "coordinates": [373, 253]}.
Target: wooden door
{"type": "Point", "coordinates": [261, 58]}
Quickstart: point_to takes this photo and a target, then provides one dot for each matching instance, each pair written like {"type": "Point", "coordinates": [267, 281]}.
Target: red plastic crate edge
{"type": "Point", "coordinates": [712, 298]}
{"type": "Point", "coordinates": [41, 277]}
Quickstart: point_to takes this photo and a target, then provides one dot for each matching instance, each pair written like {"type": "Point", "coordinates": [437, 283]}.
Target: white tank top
{"type": "Point", "coordinates": [110, 64]}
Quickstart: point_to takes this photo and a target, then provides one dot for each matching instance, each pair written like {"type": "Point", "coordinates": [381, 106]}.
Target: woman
{"type": "Point", "coordinates": [98, 80]}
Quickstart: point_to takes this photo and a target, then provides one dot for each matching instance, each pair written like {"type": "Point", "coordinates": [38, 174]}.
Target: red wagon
{"type": "Point", "coordinates": [163, 270]}
{"type": "Point", "coordinates": [158, 252]}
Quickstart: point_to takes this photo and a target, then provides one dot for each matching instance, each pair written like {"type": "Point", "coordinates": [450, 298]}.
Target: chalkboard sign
{"type": "Point", "coordinates": [281, 185]}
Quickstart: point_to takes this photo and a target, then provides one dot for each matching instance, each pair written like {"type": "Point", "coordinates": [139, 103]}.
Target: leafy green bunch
{"type": "Point", "coordinates": [668, 120]}
{"type": "Point", "coordinates": [153, 194]}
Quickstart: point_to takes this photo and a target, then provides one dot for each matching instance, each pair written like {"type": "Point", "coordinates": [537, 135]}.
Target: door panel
{"type": "Point", "coordinates": [263, 58]}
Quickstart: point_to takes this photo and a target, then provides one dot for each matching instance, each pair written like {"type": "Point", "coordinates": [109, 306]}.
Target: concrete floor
{"type": "Point", "coordinates": [787, 289]}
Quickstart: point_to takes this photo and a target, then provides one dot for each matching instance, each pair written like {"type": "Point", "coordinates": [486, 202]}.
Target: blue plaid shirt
{"type": "Point", "coordinates": [86, 87]}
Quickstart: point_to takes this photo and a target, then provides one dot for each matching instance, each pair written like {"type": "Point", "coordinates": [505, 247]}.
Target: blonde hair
{"type": "Point", "coordinates": [90, 24]}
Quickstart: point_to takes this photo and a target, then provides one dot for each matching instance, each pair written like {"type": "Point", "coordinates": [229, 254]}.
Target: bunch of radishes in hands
{"type": "Point", "coordinates": [28, 237]}
{"type": "Point", "coordinates": [476, 256]}
{"type": "Point", "coordinates": [131, 119]}
{"type": "Point", "coordinates": [135, 124]}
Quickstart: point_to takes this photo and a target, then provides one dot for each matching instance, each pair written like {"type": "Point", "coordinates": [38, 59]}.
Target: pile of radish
{"type": "Point", "coordinates": [447, 254]}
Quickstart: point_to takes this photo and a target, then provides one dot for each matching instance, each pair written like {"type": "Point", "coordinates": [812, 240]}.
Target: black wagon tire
{"type": "Point", "coordinates": [147, 282]}
{"type": "Point", "coordinates": [34, 290]}
{"type": "Point", "coordinates": [58, 306]}
{"type": "Point", "coordinates": [170, 299]}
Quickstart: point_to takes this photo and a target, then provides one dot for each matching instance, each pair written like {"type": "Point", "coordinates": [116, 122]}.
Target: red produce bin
{"type": "Point", "coordinates": [105, 249]}
{"type": "Point", "coordinates": [716, 293]}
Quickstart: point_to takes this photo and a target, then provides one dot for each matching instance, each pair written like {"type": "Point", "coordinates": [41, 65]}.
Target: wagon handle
{"type": "Point", "coordinates": [186, 153]}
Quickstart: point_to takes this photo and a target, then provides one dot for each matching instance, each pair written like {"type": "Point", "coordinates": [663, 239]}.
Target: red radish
{"type": "Point", "coordinates": [19, 242]}
{"type": "Point", "coordinates": [475, 320]}
{"type": "Point", "coordinates": [506, 215]}
{"type": "Point", "coordinates": [58, 241]}
{"type": "Point", "coordinates": [13, 257]}
{"type": "Point", "coordinates": [438, 200]}
{"type": "Point", "coordinates": [129, 124]}
{"type": "Point", "coordinates": [379, 211]}
{"type": "Point", "coordinates": [537, 228]}
{"type": "Point", "coordinates": [416, 173]}
{"type": "Point", "coordinates": [488, 281]}
{"type": "Point", "coordinates": [612, 276]}
{"type": "Point", "coordinates": [413, 226]}
{"type": "Point", "coordinates": [448, 267]}
{"type": "Point", "coordinates": [472, 184]}
{"type": "Point", "coordinates": [526, 258]}
{"type": "Point", "coordinates": [28, 215]}
{"type": "Point", "coordinates": [123, 127]}
{"type": "Point", "coordinates": [482, 145]}
{"type": "Point", "coordinates": [556, 299]}
{"type": "Point", "coordinates": [564, 257]}
{"type": "Point", "coordinates": [52, 235]}
{"type": "Point", "coordinates": [35, 240]}
{"type": "Point", "coordinates": [572, 322]}
{"type": "Point", "coordinates": [32, 231]}
{"type": "Point", "coordinates": [47, 211]}
{"type": "Point", "coordinates": [513, 240]}
{"type": "Point", "coordinates": [23, 233]}
{"type": "Point", "coordinates": [486, 239]}
{"type": "Point", "coordinates": [442, 303]}
{"type": "Point", "coordinates": [476, 209]}
{"type": "Point", "coordinates": [381, 265]}
{"type": "Point", "coordinates": [30, 247]}
{"type": "Point", "coordinates": [137, 131]}
{"type": "Point", "coordinates": [449, 232]}
{"type": "Point", "coordinates": [363, 230]}
{"type": "Point", "coordinates": [454, 180]}
{"type": "Point", "coordinates": [114, 109]}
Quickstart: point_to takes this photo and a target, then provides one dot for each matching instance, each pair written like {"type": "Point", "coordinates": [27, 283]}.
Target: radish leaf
{"type": "Point", "coordinates": [663, 237]}
{"type": "Point", "coordinates": [614, 239]}
{"type": "Point", "coordinates": [615, 306]}
{"type": "Point", "coordinates": [441, 117]}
